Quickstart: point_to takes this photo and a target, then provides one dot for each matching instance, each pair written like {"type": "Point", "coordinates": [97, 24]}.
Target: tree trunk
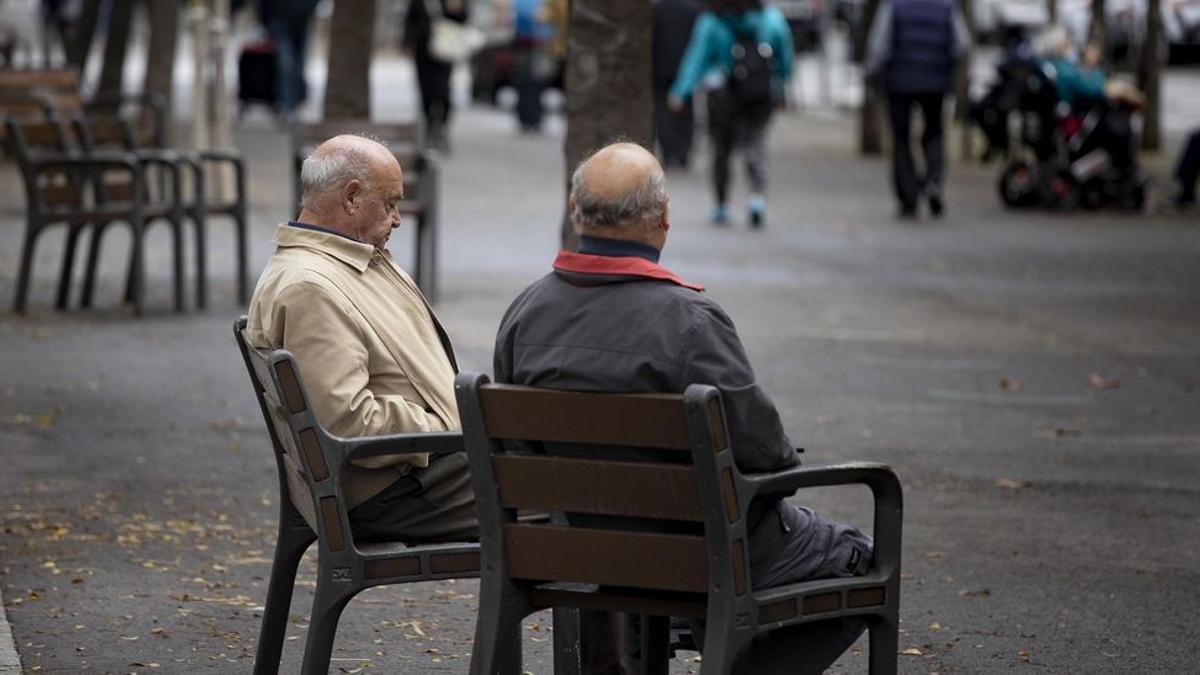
{"type": "Point", "coordinates": [1150, 79]}
{"type": "Point", "coordinates": [113, 72]}
{"type": "Point", "coordinates": [962, 91]}
{"type": "Point", "coordinates": [870, 119]}
{"type": "Point", "coordinates": [351, 41]}
{"type": "Point", "coordinates": [79, 45]}
{"type": "Point", "coordinates": [160, 55]}
{"type": "Point", "coordinates": [608, 81]}
{"type": "Point", "coordinates": [1096, 32]}
{"type": "Point", "coordinates": [1052, 9]}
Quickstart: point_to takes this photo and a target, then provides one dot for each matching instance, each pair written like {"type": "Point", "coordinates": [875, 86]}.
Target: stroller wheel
{"type": "Point", "coordinates": [1018, 184]}
{"type": "Point", "coordinates": [1061, 191]}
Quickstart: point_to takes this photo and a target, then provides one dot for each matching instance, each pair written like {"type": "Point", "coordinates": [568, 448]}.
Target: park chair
{"type": "Point", "coordinates": [163, 198]}
{"type": "Point", "coordinates": [420, 181]}
{"type": "Point", "coordinates": [65, 187]}
{"type": "Point", "coordinates": [310, 463]}
{"type": "Point", "coordinates": [612, 559]}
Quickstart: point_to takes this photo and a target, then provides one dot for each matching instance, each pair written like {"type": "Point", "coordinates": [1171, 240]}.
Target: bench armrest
{"type": "Point", "coordinates": [437, 443]}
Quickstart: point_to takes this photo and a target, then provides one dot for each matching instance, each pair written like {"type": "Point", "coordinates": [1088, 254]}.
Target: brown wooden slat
{"type": "Point", "coordinates": [716, 425]}
{"type": "Point", "coordinates": [120, 191]}
{"type": "Point", "coordinates": [292, 394]}
{"type": "Point", "coordinates": [738, 553]}
{"type": "Point", "coordinates": [610, 558]}
{"type": "Point", "coordinates": [64, 78]}
{"type": "Point", "coordinates": [58, 195]}
{"type": "Point", "coordinates": [312, 452]}
{"type": "Point", "coordinates": [590, 596]}
{"type": "Point", "coordinates": [729, 495]}
{"type": "Point", "coordinates": [314, 134]}
{"type": "Point", "coordinates": [335, 538]}
{"type": "Point", "coordinates": [451, 563]}
{"type": "Point", "coordinates": [777, 611]}
{"type": "Point", "coordinates": [405, 566]}
{"type": "Point", "coordinates": [867, 597]}
{"type": "Point", "coordinates": [824, 602]}
{"type": "Point", "coordinates": [41, 134]}
{"type": "Point", "coordinates": [641, 489]}
{"type": "Point", "coordinates": [106, 130]}
{"type": "Point", "coordinates": [638, 420]}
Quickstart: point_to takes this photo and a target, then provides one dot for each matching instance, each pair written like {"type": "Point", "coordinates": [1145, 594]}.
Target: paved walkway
{"type": "Point", "coordinates": [1031, 376]}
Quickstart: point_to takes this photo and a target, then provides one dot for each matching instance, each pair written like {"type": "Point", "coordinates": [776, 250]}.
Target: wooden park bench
{"type": "Point", "coordinates": [420, 181]}
{"type": "Point", "coordinates": [664, 536]}
{"type": "Point", "coordinates": [310, 463]}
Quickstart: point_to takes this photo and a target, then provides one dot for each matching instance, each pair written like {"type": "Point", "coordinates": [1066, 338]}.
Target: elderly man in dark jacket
{"type": "Point", "coordinates": [610, 318]}
{"type": "Point", "coordinates": [914, 45]}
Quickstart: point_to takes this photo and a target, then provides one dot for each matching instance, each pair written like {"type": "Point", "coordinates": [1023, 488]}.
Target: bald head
{"type": "Point", "coordinates": [620, 192]}
{"type": "Point", "coordinates": [339, 160]}
{"type": "Point", "coordinates": [353, 185]}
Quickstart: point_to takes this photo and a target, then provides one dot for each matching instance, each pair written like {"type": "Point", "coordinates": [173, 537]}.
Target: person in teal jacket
{"type": "Point", "coordinates": [710, 60]}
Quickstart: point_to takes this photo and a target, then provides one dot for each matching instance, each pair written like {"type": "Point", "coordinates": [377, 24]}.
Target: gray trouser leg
{"type": "Point", "coordinates": [754, 141]}
{"type": "Point", "coordinates": [428, 505]}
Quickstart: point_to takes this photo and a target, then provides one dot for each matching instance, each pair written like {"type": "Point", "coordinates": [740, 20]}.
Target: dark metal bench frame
{"type": "Point", "coordinates": [531, 567]}
{"type": "Point", "coordinates": [421, 178]}
{"type": "Point", "coordinates": [316, 460]}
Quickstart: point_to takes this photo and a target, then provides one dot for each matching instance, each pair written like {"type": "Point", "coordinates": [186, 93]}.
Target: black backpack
{"type": "Point", "coordinates": [750, 77]}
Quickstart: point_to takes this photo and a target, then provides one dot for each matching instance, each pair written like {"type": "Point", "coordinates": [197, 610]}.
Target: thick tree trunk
{"type": "Point", "coordinates": [1052, 8]}
{"type": "Point", "coordinates": [119, 23]}
{"type": "Point", "coordinates": [608, 81]}
{"type": "Point", "coordinates": [348, 80]}
{"type": "Point", "coordinates": [1150, 78]}
{"type": "Point", "coordinates": [962, 91]}
{"type": "Point", "coordinates": [1096, 32]}
{"type": "Point", "coordinates": [160, 55]}
{"type": "Point", "coordinates": [870, 126]}
{"type": "Point", "coordinates": [79, 45]}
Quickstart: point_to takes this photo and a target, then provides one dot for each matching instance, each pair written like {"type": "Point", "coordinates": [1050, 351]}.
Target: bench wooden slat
{"type": "Point", "coordinates": [58, 195]}
{"type": "Point", "coordinates": [676, 562]}
{"type": "Point", "coordinates": [64, 78]}
{"type": "Point", "coordinates": [591, 596]}
{"type": "Point", "coordinates": [636, 489]}
{"type": "Point", "coordinates": [634, 420]}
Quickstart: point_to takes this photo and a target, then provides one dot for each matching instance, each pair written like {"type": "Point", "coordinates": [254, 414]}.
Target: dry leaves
{"type": "Point", "coordinates": [1098, 381]}
{"type": "Point", "coordinates": [1011, 483]}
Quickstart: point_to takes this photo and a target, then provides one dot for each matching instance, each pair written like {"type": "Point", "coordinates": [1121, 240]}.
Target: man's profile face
{"type": "Point", "coordinates": [380, 210]}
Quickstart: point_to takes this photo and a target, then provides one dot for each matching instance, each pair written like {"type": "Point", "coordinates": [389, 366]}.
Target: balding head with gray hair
{"type": "Point", "coordinates": [335, 163]}
{"type": "Point", "coordinates": [619, 192]}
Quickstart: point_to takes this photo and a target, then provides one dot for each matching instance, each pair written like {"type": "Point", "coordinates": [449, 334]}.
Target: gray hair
{"type": "Point", "coordinates": [331, 169]}
{"type": "Point", "coordinates": [641, 207]}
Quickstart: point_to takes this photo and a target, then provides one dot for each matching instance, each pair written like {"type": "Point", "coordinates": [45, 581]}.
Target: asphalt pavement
{"type": "Point", "coordinates": [1033, 377]}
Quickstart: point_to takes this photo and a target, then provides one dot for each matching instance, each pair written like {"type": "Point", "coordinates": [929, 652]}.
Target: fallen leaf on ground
{"type": "Point", "coordinates": [982, 593]}
{"type": "Point", "coordinates": [911, 651]}
{"type": "Point", "coordinates": [1011, 385]}
{"type": "Point", "coordinates": [1098, 381]}
{"type": "Point", "coordinates": [1011, 484]}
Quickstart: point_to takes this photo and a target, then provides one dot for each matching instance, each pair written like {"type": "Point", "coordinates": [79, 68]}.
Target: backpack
{"type": "Point", "coordinates": [750, 77]}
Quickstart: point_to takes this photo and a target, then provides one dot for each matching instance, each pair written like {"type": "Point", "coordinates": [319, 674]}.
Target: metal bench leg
{"type": "Point", "coordinates": [68, 263]}
{"type": "Point", "coordinates": [497, 649]}
{"type": "Point", "coordinates": [199, 224]}
{"type": "Point", "coordinates": [177, 260]}
{"type": "Point", "coordinates": [31, 233]}
{"type": "Point", "coordinates": [293, 540]}
{"type": "Point", "coordinates": [885, 642]}
{"type": "Point", "coordinates": [243, 274]}
{"type": "Point", "coordinates": [566, 641]}
{"type": "Point", "coordinates": [656, 637]}
{"type": "Point", "coordinates": [89, 276]}
{"type": "Point", "coordinates": [135, 283]}
{"type": "Point", "coordinates": [330, 599]}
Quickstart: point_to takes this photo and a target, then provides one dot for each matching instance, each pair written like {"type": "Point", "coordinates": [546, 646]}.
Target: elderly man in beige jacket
{"type": "Point", "coordinates": [373, 356]}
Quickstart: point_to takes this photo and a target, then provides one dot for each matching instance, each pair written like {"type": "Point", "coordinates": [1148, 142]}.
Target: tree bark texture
{"type": "Point", "coordinates": [870, 126]}
{"type": "Point", "coordinates": [1150, 78]}
{"type": "Point", "coordinates": [962, 90]}
{"type": "Point", "coordinates": [1096, 32]}
{"type": "Point", "coordinates": [112, 73]}
{"type": "Point", "coordinates": [348, 79]}
{"type": "Point", "coordinates": [160, 56]}
{"type": "Point", "coordinates": [608, 81]}
{"type": "Point", "coordinates": [79, 45]}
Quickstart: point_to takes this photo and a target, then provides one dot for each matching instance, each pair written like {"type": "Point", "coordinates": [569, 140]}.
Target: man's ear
{"type": "Point", "coordinates": [351, 195]}
{"type": "Point", "coordinates": [664, 223]}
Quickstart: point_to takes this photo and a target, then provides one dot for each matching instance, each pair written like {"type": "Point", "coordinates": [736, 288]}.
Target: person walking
{"type": "Point", "coordinates": [287, 23]}
{"type": "Point", "coordinates": [914, 46]}
{"type": "Point", "coordinates": [673, 21]}
{"type": "Point", "coordinates": [533, 29]}
{"type": "Point", "coordinates": [433, 74]}
{"type": "Point", "coordinates": [742, 51]}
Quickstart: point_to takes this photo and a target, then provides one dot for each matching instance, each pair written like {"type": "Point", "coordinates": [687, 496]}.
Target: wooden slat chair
{"type": "Point", "coordinates": [59, 190]}
{"type": "Point", "coordinates": [23, 92]}
{"type": "Point", "coordinates": [163, 198]}
{"type": "Point", "coordinates": [310, 463]}
{"type": "Point", "coordinates": [421, 178]}
{"type": "Point", "coordinates": [689, 478]}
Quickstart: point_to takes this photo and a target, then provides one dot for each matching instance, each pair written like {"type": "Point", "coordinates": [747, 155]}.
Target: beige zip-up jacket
{"type": "Point", "coordinates": [372, 355]}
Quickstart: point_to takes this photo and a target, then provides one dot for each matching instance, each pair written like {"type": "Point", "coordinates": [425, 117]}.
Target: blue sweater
{"type": "Point", "coordinates": [710, 49]}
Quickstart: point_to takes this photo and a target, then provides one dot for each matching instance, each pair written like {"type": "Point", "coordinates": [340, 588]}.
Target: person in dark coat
{"type": "Point", "coordinates": [914, 46]}
{"type": "Point", "coordinates": [433, 74]}
{"type": "Point", "coordinates": [610, 318]}
{"type": "Point", "coordinates": [1187, 170]}
{"type": "Point", "coordinates": [673, 21]}
{"type": "Point", "coordinates": [287, 23]}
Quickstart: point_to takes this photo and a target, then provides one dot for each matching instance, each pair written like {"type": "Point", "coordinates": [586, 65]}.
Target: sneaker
{"type": "Point", "coordinates": [720, 215]}
{"type": "Point", "coordinates": [758, 209]}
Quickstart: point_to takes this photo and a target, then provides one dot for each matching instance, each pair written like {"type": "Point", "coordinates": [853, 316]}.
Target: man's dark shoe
{"type": "Point", "coordinates": [935, 205]}
{"type": "Point", "coordinates": [907, 212]}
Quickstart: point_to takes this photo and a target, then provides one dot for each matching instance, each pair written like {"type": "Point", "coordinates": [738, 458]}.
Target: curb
{"type": "Point", "coordinates": [10, 661]}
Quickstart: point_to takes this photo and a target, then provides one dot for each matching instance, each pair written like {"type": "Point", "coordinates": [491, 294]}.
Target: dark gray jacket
{"type": "Point", "coordinates": [916, 45]}
{"type": "Point", "coordinates": [623, 324]}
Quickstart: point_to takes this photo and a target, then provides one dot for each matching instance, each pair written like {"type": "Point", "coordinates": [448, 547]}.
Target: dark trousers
{"type": "Point", "coordinates": [433, 504]}
{"type": "Point", "coordinates": [1188, 169]}
{"type": "Point", "coordinates": [674, 130]}
{"type": "Point", "coordinates": [731, 125]}
{"type": "Point", "coordinates": [290, 35]}
{"type": "Point", "coordinates": [433, 80]}
{"type": "Point", "coordinates": [908, 184]}
{"type": "Point", "coordinates": [530, 82]}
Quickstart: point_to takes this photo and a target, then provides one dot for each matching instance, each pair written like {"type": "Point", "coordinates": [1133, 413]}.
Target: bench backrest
{"type": "Point", "coordinates": [56, 89]}
{"type": "Point", "coordinates": [45, 191]}
{"type": "Point", "coordinates": [646, 481]}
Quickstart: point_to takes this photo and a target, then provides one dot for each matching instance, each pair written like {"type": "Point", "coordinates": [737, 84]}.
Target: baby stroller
{"type": "Point", "coordinates": [1066, 157]}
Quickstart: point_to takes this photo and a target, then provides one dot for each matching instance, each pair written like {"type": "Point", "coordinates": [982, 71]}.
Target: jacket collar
{"type": "Point", "coordinates": [354, 253]}
{"type": "Point", "coordinates": [626, 266]}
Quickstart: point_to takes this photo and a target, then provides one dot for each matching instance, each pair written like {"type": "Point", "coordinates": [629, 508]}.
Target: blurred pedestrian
{"type": "Point", "coordinates": [742, 51]}
{"type": "Point", "coordinates": [1188, 170]}
{"type": "Point", "coordinates": [433, 74]}
{"type": "Point", "coordinates": [532, 62]}
{"type": "Point", "coordinates": [287, 23]}
{"type": "Point", "coordinates": [915, 45]}
{"type": "Point", "coordinates": [673, 21]}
